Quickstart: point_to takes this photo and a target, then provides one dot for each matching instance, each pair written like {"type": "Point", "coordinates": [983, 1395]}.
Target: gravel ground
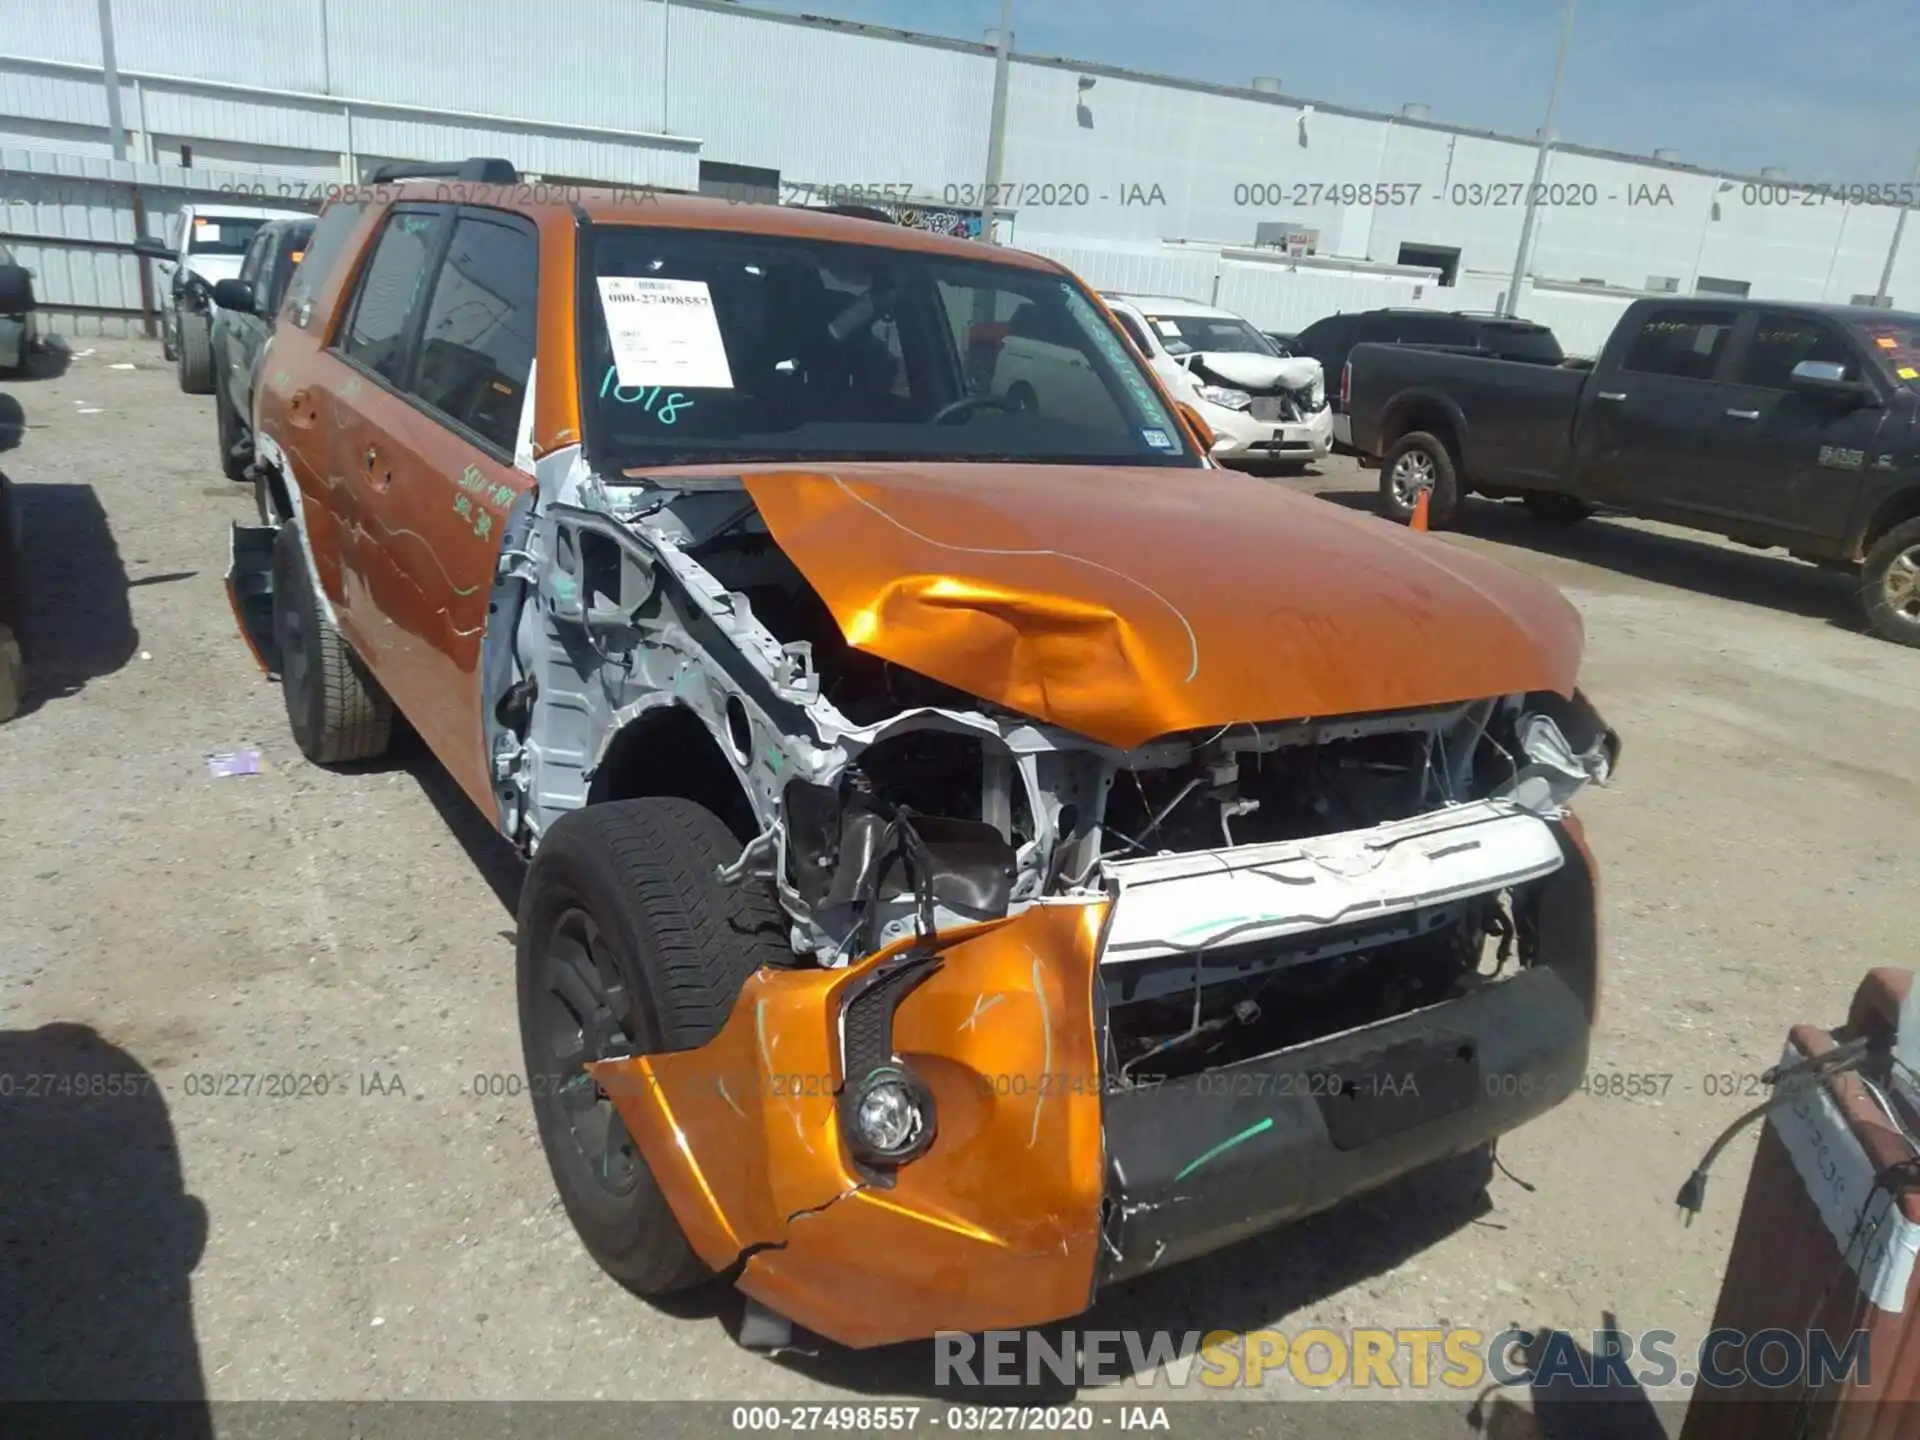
{"type": "Point", "coordinates": [397, 1237]}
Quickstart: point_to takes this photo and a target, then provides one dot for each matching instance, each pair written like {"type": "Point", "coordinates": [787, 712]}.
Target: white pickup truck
{"type": "Point", "coordinates": [204, 244]}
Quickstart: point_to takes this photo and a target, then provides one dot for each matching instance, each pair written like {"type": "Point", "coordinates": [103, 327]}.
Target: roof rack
{"type": "Point", "coordinates": [857, 212]}
{"type": "Point", "coordinates": [479, 170]}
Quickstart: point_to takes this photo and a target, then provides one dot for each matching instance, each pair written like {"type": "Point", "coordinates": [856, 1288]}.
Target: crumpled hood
{"type": "Point", "coordinates": [1128, 603]}
{"type": "Point", "coordinates": [1261, 372]}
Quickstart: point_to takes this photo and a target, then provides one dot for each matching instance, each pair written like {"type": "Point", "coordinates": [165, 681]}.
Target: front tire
{"type": "Point", "coordinates": [335, 710]}
{"type": "Point", "coordinates": [1890, 585]}
{"type": "Point", "coordinates": [1419, 460]}
{"type": "Point", "coordinates": [629, 944]}
{"type": "Point", "coordinates": [195, 367]}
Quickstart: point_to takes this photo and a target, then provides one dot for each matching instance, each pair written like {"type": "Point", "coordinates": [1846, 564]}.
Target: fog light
{"type": "Point", "coordinates": [891, 1117]}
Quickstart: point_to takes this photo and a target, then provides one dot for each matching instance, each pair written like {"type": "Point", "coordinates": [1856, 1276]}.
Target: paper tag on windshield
{"type": "Point", "coordinates": [664, 332]}
{"type": "Point", "coordinates": [1167, 327]}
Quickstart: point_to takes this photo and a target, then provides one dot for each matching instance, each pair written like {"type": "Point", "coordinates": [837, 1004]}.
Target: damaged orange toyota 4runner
{"type": "Point", "coordinates": [980, 850]}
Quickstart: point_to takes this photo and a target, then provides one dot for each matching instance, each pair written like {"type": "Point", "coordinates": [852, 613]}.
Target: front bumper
{"type": "Point", "coordinates": [1205, 1161]}
{"type": "Point", "coordinates": [1048, 1177]}
{"type": "Point", "coordinates": [1238, 436]}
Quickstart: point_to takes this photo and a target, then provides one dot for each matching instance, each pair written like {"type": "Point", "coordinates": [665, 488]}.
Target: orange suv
{"type": "Point", "coordinates": [979, 849]}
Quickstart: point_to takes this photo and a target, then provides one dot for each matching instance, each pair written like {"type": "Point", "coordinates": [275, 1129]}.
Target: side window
{"type": "Point", "coordinates": [1686, 343]}
{"type": "Point", "coordinates": [390, 288]}
{"type": "Point", "coordinates": [1781, 342]}
{"type": "Point", "coordinates": [1431, 330]}
{"type": "Point", "coordinates": [477, 347]}
{"type": "Point", "coordinates": [1134, 332]}
{"type": "Point", "coordinates": [288, 253]}
{"type": "Point", "coordinates": [255, 262]}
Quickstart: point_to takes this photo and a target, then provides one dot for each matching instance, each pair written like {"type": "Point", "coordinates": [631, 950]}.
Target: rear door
{"type": "Point", "coordinates": [1650, 414]}
{"type": "Point", "coordinates": [442, 339]}
{"type": "Point", "coordinates": [1787, 460]}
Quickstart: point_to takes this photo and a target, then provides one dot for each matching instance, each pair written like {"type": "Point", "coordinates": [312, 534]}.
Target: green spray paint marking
{"type": "Point", "coordinates": [1224, 1146]}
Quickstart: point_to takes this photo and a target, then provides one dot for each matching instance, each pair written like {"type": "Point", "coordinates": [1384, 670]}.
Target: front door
{"type": "Point", "coordinates": [1788, 460]}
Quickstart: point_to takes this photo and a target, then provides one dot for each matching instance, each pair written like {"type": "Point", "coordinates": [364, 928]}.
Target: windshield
{"type": "Point", "coordinates": [702, 347]}
{"type": "Point", "coordinates": [1896, 340]}
{"type": "Point", "coordinates": [221, 235]}
{"type": "Point", "coordinates": [1184, 334]}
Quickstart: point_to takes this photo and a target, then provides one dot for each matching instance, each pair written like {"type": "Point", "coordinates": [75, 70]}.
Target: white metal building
{"type": "Point", "coordinates": [1138, 181]}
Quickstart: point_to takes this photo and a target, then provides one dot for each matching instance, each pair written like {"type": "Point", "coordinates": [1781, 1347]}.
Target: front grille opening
{"type": "Point", "coordinates": [1184, 1015]}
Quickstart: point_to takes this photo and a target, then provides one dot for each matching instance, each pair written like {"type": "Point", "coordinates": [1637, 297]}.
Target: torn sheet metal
{"type": "Point", "coordinates": [743, 1135]}
{"type": "Point", "coordinates": [1124, 605]}
{"type": "Point", "coordinates": [1177, 904]}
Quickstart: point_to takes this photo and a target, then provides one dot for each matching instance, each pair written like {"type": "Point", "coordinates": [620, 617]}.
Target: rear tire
{"type": "Point", "coordinates": [1890, 585]}
{"type": "Point", "coordinates": [1419, 460]}
{"type": "Point", "coordinates": [1550, 507]}
{"type": "Point", "coordinates": [336, 711]}
{"type": "Point", "coordinates": [230, 430]}
{"type": "Point", "coordinates": [196, 354]}
{"type": "Point", "coordinates": [629, 944]}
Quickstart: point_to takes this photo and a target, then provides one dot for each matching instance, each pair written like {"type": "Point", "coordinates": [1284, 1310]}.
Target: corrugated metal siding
{"type": "Point", "coordinates": [272, 45]}
{"type": "Point", "coordinates": [832, 105]}
{"type": "Point", "coordinates": [1134, 272]}
{"type": "Point", "coordinates": [75, 204]}
{"type": "Point", "coordinates": [829, 107]}
{"type": "Point", "coordinates": [582, 62]}
{"type": "Point", "coordinates": [52, 29]}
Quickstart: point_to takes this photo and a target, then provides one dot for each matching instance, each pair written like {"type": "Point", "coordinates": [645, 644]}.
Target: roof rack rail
{"type": "Point", "coordinates": [480, 170]}
{"type": "Point", "coordinates": [857, 212]}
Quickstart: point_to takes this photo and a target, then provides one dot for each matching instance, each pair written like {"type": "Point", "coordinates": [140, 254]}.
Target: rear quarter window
{"type": "Point", "coordinates": [324, 248]}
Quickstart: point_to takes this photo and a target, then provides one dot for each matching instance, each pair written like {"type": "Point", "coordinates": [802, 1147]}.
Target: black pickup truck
{"type": "Point", "coordinates": [1771, 423]}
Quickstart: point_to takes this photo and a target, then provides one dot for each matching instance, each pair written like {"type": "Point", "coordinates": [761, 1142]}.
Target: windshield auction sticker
{"type": "Point", "coordinates": [664, 332]}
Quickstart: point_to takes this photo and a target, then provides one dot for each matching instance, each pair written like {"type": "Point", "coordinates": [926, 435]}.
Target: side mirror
{"type": "Point", "coordinates": [235, 295]}
{"type": "Point", "coordinates": [16, 289]}
{"type": "Point", "coordinates": [1827, 380]}
{"type": "Point", "coordinates": [1203, 435]}
{"type": "Point", "coordinates": [151, 247]}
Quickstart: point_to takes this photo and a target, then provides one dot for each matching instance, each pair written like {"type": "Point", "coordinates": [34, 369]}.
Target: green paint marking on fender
{"type": "Point", "coordinates": [1225, 1145]}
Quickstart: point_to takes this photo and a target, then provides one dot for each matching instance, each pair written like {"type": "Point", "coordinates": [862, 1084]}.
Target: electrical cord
{"type": "Point", "coordinates": [1785, 1080]}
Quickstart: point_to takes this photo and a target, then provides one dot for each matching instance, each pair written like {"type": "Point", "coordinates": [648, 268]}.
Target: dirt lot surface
{"type": "Point", "coordinates": [398, 1237]}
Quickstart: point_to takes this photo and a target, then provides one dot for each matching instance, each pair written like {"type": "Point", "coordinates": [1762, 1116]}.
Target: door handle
{"type": "Point", "coordinates": [1611, 394]}
{"type": "Point", "coordinates": [1743, 414]}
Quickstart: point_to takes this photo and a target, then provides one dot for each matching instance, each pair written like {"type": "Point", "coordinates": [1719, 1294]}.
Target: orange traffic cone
{"type": "Point", "coordinates": [1419, 521]}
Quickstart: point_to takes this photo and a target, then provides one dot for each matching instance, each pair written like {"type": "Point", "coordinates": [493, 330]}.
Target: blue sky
{"type": "Point", "coordinates": [1829, 90]}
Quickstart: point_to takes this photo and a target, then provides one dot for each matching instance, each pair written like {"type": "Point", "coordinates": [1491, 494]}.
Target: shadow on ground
{"type": "Point", "coordinates": [71, 589]}
{"type": "Point", "coordinates": [1252, 1286]}
{"type": "Point", "coordinates": [1706, 567]}
{"type": "Point", "coordinates": [1573, 1394]}
{"type": "Point", "coordinates": [98, 1240]}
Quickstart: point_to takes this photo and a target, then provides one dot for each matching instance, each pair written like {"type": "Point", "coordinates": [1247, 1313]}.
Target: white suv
{"type": "Point", "coordinates": [1261, 405]}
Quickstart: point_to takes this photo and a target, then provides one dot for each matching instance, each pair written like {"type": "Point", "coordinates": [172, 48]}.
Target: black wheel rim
{"type": "Point", "coordinates": [585, 1011]}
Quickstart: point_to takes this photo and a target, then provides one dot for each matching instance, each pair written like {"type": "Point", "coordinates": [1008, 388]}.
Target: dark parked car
{"type": "Point", "coordinates": [1770, 423]}
{"type": "Point", "coordinates": [1329, 340]}
{"type": "Point", "coordinates": [242, 325]}
{"type": "Point", "coordinates": [16, 313]}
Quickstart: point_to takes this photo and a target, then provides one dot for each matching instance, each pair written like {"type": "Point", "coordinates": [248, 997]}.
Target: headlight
{"type": "Point", "coordinates": [1225, 398]}
{"type": "Point", "coordinates": [890, 1115]}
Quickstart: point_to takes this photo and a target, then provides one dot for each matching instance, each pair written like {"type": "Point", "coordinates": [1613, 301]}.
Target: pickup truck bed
{"type": "Point", "coordinates": [1771, 423]}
